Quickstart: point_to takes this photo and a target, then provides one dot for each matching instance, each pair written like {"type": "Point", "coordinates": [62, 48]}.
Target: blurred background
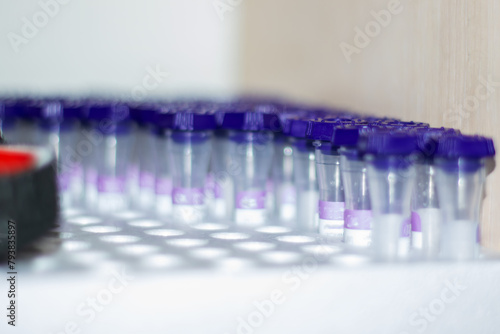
{"type": "Point", "coordinates": [430, 60]}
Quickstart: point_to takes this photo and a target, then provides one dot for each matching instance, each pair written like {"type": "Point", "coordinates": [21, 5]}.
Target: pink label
{"type": "Point", "coordinates": [331, 210]}
{"type": "Point", "coordinates": [251, 200]}
{"type": "Point", "coordinates": [188, 196]}
{"type": "Point", "coordinates": [110, 184]}
{"type": "Point", "coordinates": [163, 186]}
{"type": "Point", "coordinates": [406, 228]}
{"type": "Point", "coordinates": [358, 219]}
{"type": "Point", "coordinates": [147, 180]}
{"type": "Point", "coordinates": [416, 223]}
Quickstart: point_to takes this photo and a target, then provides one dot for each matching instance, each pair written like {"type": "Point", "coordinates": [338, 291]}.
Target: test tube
{"type": "Point", "coordinates": [391, 176]}
{"type": "Point", "coordinates": [331, 203]}
{"type": "Point", "coordinates": [107, 167]}
{"type": "Point", "coordinates": [426, 214]}
{"type": "Point", "coordinates": [358, 217]}
{"type": "Point", "coordinates": [142, 169]}
{"type": "Point", "coordinates": [189, 156]}
{"type": "Point", "coordinates": [461, 175]}
{"type": "Point", "coordinates": [57, 126]}
{"type": "Point", "coordinates": [219, 182]}
{"type": "Point", "coordinates": [284, 193]}
{"type": "Point", "coordinates": [249, 158]}
{"type": "Point", "coordinates": [305, 178]}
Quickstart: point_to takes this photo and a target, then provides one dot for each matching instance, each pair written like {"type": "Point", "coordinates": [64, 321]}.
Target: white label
{"type": "Point", "coordinates": [287, 211]}
{"type": "Point", "coordinates": [416, 240]}
{"type": "Point", "coordinates": [219, 207]}
{"type": "Point", "coordinates": [163, 205]}
{"type": "Point", "coordinates": [188, 213]}
{"type": "Point", "coordinates": [332, 228]}
{"type": "Point", "coordinates": [358, 238]}
{"type": "Point", "coordinates": [404, 246]}
{"type": "Point", "coordinates": [250, 217]}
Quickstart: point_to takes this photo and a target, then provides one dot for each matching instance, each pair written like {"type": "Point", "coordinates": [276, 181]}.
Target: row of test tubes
{"type": "Point", "coordinates": [382, 183]}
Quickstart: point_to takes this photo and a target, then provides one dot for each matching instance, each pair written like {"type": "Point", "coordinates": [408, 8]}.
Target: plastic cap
{"type": "Point", "coordinates": [251, 120]}
{"type": "Point", "coordinates": [457, 146]}
{"type": "Point", "coordinates": [323, 129]}
{"type": "Point", "coordinates": [114, 112]}
{"type": "Point", "coordinates": [388, 143]}
{"type": "Point", "coordinates": [186, 119]}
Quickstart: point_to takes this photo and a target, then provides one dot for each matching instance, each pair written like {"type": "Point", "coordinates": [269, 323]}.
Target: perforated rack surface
{"type": "Point", "coordinates": [133, 273]}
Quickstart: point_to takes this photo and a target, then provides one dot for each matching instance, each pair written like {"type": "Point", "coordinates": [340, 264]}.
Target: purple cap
{"type": "Point", "coordinates": [8, 110]}
{"type": "Point", "coordinates": [112, 111]}
{"type": "Point", "coordinates": [186, 119]}
{"type": "Point", "coordinates": [323, 129]}
{"type": "Point", "coordinates": [457, 146]}
{"type": "Point", "coordinates": [389, 143]}
{"type": "Point", "coordinates": [348, 136]}
{"type": "Point", "coordinates": [296, 127]}
{"type": "Point", "coordinates": [144, 113]}
{"type": "Point", "coordinates": [251, 119]}
{"type": "Point", "coordinates": [48, 110]}
{"type": "Point", "coordinates": [74, 108]}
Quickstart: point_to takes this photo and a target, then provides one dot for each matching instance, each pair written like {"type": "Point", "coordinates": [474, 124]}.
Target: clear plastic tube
{"type": "Point", "coordinates": [331, 192]}
{"type": "Point", "coordinates": [62, 139]}
{"type": "Point", "coordinates": [145, 158]}
{"type": "Point", "coordinates": [189, 156]}
{"type": "Point", "coordinates": [284, 193]}
{"type": "Point", "coordinates": [391, 180]}
{"type": "Point", "coordinates": [426, 216]}
{"type": "Point", "coordinates": [219, 182]}
{"type": "Point", "coordinates": [306, 185]}
{"type": "Point", "coordinates": [163, 174]}
{"type": "Point", "coordinates": [250, 155]}
{"type": "Point", "coordinates": [460, 190]}
{"type": "Point", "coordinates": [358, 217]}
{"type": "Point", "coordinates": [112, 158]}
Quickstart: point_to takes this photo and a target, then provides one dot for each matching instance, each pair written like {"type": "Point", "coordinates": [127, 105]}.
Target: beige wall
{"type": "Point", "coordinates": [432, 57]}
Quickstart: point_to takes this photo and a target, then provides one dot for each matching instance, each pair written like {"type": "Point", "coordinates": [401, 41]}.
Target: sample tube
{"type": "Point", "coordinates": [358, 217]}
{"type": "Point", "coordinates": [391, 175]}
{"type": "Point", "coordinates": [142, 169]}
{"type": "Point", "coordinates": [304, 172]}
{"type": "Point", "coordinates": [331, 204]}
{"type": "Point", "coordinates": [219, 182]}
{"type": "Point", "coordinates": [285, 196]}
{"type": "Point", "coordinates": [189, 156]}
{"type": "Point", "coordinates": [57, 126]}
{"type": "Point", "coordinates": [249, 157]}
{"type": "Point", "coordinates": [426, 216]}
{"type": "Point", "coordinates": [461, 175]}
{"type": "Point", "coordinates": [107, 169]}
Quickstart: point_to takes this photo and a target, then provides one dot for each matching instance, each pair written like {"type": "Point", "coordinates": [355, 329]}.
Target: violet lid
{"type": "Point", "coordinates": [186, 119]}
{"type": "Point", "coordinates": [8, 109]}
{"type": "Point", "coordinates": [144, 113]}
{"type": "Point", "coordinates": [347, 136]}
{"type": "Point", "coordinates": [323, 129]}
{"type": "Point", "coordinates": [113, 112]}
{"type": "Point", "coordinates": [251, 120]}
{"type": "Point", "coordinates": [457, 146]}
{"type": "Point", "coordinates": [389, 143]}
